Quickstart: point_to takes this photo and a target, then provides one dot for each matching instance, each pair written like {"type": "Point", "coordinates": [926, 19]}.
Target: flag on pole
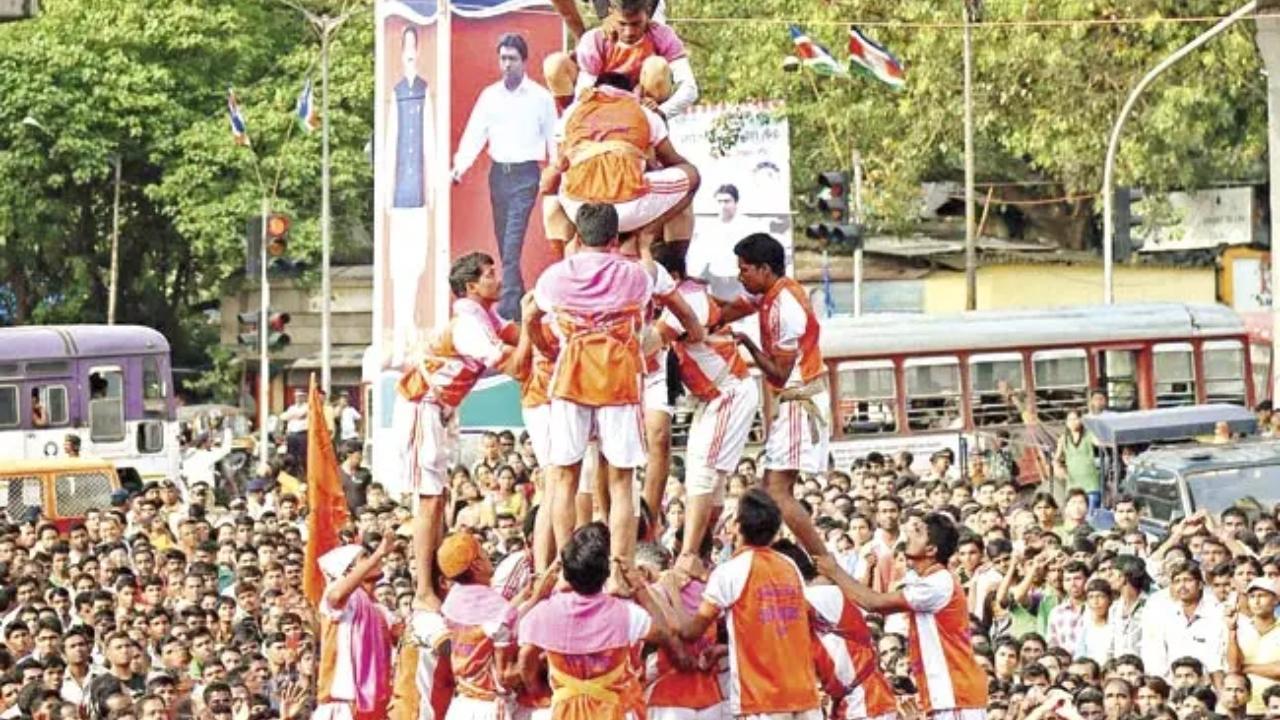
{"type": "Point", "coordinates": [814, 56]}
{"type": "Point", "coordinates": [326, 502]}
{"type": "Point", "coordinates": [873, 60]}
{"type": "Point", "coordinates": [239, 130]}
{"type": "Point", "coordinates": [307, 114]}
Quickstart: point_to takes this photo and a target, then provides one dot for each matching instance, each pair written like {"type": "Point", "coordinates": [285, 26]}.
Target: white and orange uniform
{"type": "Point", "coordinates": [675, 695]}
{"type": "Point", "coordinates": [801, 428]}
{"type": "Point", "coordinates": [952, 684]}
{"type": "Point", "coordinates": [481, 624]}
{"type": "Point", "coordinates": [717, 376]}
{"type": "Point", "coordinates": [535, 398]}
{"type": "Point", "coordinates": [845, 655]}
{"type": "Point", "coordinates": [596, 303]}
{"type": "Point", "coordinates": [608, 135]}
{"type": "Point", "coordinates": [656, 398]}
{"type": "Point", "coordinates": [771, 670]}
{"type": "Point", "coordinates": [475, 341]}
{"type": "Point", "coordinates": [589, 644]}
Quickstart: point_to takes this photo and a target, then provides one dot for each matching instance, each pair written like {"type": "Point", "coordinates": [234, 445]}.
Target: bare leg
{"type": "Point", "coordinates": [568, 10]}
{"type": "Point", "coordinates": [601, 505]}
{"type": "Point", "coordinates": [426, 538]}
{"type": "Point", "coordinates": [565, 480]}
{"type": "Point", "coordinates": [654, 229]}
{"type": "Point", "coordinates": [779, 484]}
{"type": "Point", "coordinates": [657, 428]}
{"type": "Point", "coordinates": [585, 504]}
{"type": "Point", "coordinates": [622, 522]}
{"type": "Point", "coordinates": [544, 540]}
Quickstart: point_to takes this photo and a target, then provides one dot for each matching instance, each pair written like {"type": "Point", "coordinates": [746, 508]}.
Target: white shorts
{"type": "Point", "coordinates": [587, 477]}
{"type": "Point", "coordinates": [667, 187]}
{"type": "Point", "coordinates": [435, 435]}
{"type": "Point", "coordinates": [536, 422]}
{"type": "Point", "coordinates": [620, 429]}
{"type": "Point", "coordinates": [797, 443]}
{"type": "Point", "coordinates": [655, 391]}
{"type": "Point", "coordinates": [959, 714]}
{"type": "Point", "coordinates": [717, 435]}
{"type": "Point", "coordinates": [465, 708]}
{"type": "Point", "coordinates": [719, 711]}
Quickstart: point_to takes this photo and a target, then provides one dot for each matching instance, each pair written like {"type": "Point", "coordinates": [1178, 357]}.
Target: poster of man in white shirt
{"type": "Point", "coordinates": [710, 257]}
{"type": "Point", "coordinates": [514, 120]}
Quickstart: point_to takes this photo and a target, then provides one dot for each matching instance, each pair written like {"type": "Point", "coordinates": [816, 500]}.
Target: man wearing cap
{"type": "Point", "coordinates": [354, 673]}
{"type": "Point", "coordinates": [1253, 644]}
{"type": "Point", "coordinates": [481, 627]}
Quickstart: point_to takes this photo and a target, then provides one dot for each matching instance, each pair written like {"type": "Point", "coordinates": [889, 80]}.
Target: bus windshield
{"type": "Point", "coordinates": [1254, 487]}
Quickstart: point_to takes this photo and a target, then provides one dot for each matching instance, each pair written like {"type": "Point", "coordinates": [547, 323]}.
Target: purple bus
{"type": "Point", "coordinates": [108, 384]}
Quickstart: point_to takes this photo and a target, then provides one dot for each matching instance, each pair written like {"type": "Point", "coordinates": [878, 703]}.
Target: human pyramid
{"type": "Point", "coordinates": [599, 627]}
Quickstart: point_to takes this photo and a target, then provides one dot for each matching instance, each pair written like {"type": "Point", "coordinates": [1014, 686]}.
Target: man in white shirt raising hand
{"type": "Point", "coordinates": [515, 118]}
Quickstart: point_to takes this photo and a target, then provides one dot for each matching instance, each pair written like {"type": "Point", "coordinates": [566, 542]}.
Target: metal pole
{"type": "Point", "coordinates": [857, 218]}
{"type": "Point", "coordinates": [970, 228]}
{"type": "Point", "coordinates": [115, 249]}
{"type": "Point", "coordinates": [326, 290]}
{"type": "Point", "coordinates": [1108, 169]}
{"type": "Point", "coordinates": [264, 364]}
{"type": "Point", "coordinates": [1268, 38]}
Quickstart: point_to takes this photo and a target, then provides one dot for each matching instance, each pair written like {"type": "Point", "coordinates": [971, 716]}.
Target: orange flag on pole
{"type": "Point", "coordinates": [326, 503]}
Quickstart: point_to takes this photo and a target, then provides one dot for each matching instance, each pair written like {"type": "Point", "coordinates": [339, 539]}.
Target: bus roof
{"type": "Point", "coordinates": [43, 342]}
{"type": "Point", "coordinates": [57, 464]}
{"type": "Point", "coordinates": [985, 330]}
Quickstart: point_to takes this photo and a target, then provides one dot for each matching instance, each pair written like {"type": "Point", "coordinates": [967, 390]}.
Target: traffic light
{"type": "Point", "coordinates": [832, 200]}
{"type": "Point", "coordinates": [250, 329]}
{"type": "Point", "coordinates": [1126, 221]}
{"type": "Point", "coordinates": [277, 232]}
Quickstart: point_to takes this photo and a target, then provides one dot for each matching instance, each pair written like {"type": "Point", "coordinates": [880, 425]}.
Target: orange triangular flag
{"type": "Point", "coordinates": [326, 503]}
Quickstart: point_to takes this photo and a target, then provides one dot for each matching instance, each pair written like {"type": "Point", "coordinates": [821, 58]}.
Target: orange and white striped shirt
{"type": "Point", "coordinates": [788, 327]}
{"type": "Point", "coordinates": [475, 341]}
{"type": "Point", "coordinates": [846, 656]}
{"type": "Point", "coordinates": [941, 652]}
{"type": "Point", "coordinates": [770, 658]}
{"type": "Point", "coordinates": [706, 366]}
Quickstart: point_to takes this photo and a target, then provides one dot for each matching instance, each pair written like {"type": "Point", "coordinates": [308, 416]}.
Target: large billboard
{"type": "Point", "coordinates": [440, 75]}
{"type": "Point", "coordinates": [746, 147]}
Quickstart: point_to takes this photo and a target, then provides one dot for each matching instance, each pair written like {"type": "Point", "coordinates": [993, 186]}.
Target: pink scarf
{"type": "Point", "coordinates": [471, 605]}
{"type": "Point", "coordinates": [572, 624]}
{"type": "Point", "coordinates": [596, 282]}
{"type": "Point", "coordinates": [370, 652]}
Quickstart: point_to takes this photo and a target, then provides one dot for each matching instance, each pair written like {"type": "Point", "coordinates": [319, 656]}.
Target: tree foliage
{"type": "Point", "coordinates": [1045, 96]}
{"type": "Point", "coordinates": [147, 82]}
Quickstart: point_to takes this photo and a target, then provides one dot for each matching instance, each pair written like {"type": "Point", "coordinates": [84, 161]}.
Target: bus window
{"type": "Point", "coordinates": [1118, 379]}
{"type": "Point", "coordinates": [1062, 382]}
{"type": "Point", "coordinates": [933, 394]}
{"type": "Point", "coordinates": [1224, 371]}
{"type": "Point", "coordinates": [55, 404]}
{"type": "Point", "coordinates": [1261, 356]}
{"type": "Point", "coordinates": [106, 404]}
{"type": "Point", "coordinates": [868, 397]}
{"type": "Point", "coordinates": [1175, 375]}
{"type": "Point", "coordinates": [10, 414]}
{"type": "Point", "coordinates": [996, 382]}
{"type": "Point", "coordinates": [153, 387]}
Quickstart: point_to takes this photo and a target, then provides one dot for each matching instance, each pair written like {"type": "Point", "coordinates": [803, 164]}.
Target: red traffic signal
{"type": "Point", "coordinates": [278, 321]}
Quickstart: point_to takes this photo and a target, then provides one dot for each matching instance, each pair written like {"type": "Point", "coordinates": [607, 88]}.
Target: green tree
{"type": "Point", "coordinates": [148, 82]}
{"type": "Point", "coordinates": [1046, 96]}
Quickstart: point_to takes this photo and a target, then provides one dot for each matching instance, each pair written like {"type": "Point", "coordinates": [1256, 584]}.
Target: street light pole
{"type": "Point", "coordinates": [1108, 168]}
{"type": "Point", "coordinates": [326, 288]}
{"type": "Point", "coordinates": [115, 247]}
{"type": "Point", "coordinates": [1269, 47]}
{"type": "Point", "coordinates": [264, 336]}
{"type": "Point", "coordinates": [970, 219]}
